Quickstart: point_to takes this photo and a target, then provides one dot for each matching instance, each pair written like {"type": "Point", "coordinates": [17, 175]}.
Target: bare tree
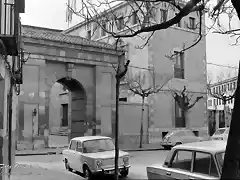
{"type": "Point", "coordinates": [223, 92]}
{"type": "Point", "coordinates": [184, 101]}
{"type": "Point", "coordinates": [146, 14]}
{"type": "Point", "coordinates": [139, 85]}
{"type": "Point", "coordinates": [121, 71]}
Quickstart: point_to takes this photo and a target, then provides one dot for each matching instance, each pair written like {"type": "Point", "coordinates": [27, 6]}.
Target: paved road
{"type": "Point", "coordinates": [139, 161]}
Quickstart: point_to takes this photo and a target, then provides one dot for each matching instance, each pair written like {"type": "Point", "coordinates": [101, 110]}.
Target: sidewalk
{"type": "Point", "coordinates": [124, 147]}
{"type": "Point", "coordinates": [37, 173]}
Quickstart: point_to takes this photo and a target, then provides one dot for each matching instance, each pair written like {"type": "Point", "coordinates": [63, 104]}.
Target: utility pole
{"type": "Point", "coordinates": [119, 75]}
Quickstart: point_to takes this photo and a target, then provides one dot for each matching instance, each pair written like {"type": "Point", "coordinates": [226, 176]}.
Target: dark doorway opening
{"type": "Point", "coordinates": [64, 115]}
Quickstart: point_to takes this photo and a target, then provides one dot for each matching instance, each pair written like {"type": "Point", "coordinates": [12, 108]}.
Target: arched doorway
{"type": "Point", "coordinates": [70, 114]}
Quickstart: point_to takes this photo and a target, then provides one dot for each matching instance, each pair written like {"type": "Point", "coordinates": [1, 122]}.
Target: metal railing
{"type": "Point", "coordinates": [7, 18]}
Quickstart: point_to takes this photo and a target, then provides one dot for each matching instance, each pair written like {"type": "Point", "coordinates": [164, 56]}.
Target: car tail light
{"type": "Point", "coordinates": [126, 160]}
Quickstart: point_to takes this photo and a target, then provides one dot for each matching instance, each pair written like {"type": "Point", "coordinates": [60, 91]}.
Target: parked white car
{"type": "Point", "coordinates": [199, 160]}
{"type": "Point", "coordinates": [91, 155]}
{"type": "Point", "coordinates": [221, 134]}
{"type": "Point", "coordinates": [177, 137]}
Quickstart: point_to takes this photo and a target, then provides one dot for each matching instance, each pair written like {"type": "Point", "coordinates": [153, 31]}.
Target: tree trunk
{"type": "Point", "coordinates": [224, 116]}
{"type": "Point", "coordinates": [231, 163]}
{"type": "Point", "coordinates": [141, 128]}
{"type": "Point", "coordinates": [116, 129]}
{"type": "Point", "coordinates": [183, 111]}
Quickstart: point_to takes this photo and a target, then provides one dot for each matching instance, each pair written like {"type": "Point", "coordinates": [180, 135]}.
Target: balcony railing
{"type": "Point", "coordinates": [9, 22]}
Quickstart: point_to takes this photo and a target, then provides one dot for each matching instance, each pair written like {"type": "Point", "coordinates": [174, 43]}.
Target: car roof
{"type": "Point", "coordinates": [222, 128]}
{"type": "Point", "coordinates": [87, 138]}
{"type": "Point", "coordinates": [206, 146]}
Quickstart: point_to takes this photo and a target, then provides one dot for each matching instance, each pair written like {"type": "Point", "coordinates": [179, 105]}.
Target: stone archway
{"type": "Point", "coordinates": [77, 107]}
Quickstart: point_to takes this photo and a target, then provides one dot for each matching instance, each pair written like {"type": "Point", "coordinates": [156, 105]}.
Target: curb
{"type": "Point", "coordinates": [37, 154]}
{"type": "Point", "coordinates": [132, 150]}
{"type": "Point", "coordinates": [54, 153]}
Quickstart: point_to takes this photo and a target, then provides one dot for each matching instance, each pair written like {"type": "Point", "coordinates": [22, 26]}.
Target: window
{"type": "Point", "coordinates": [210, 102]}
{"type": "Point", "coordinates": [182, 160]}
{"type": "Point", "coordinates": [191, 23]}
{"type": "Point", "coordinates": [189, 133]}
{"type": "Point", "coordinates": [220, 159]}
{"type": "Point", "coordinates": [163, 14]}
{"type": "Point", "coordinates": [110, 26]}
{"type": "Point", "coordinates": [179, 121]}
{"type": "Point", "coordinates": [231, 101]}
{"type": "Point", "coordinates": [98, 145]}
{"type": "Point", "coordinates": [180, 133]}
{"type": "Point", "coordinates": [214, 101]}
{"type": "Point", "coordinates": [179, 65]}
{"type": "Point", "coordinates": [73, 145]}
{"type": "Point", "coordinates": [134, 17]}
{"type": "Point", "coordinates": [179, 23]}
{"type": "Point", "coordinates": [205, 164]}
{"type": "Point", "coordinates": [213, 90]}
{"type": "Point", "coordinates": [104, 27]}
{"type": "Point", "coordinates": [89, 34]}
{"type": "Point", "coordinates": [120, 23]}
{"type": "Point", "coordinates": [79, 146]}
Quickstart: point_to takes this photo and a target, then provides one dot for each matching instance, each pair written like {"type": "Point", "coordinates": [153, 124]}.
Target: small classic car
{"type": "Point", "coordinates": [198, 160]}
{"type": "Point", "coordinates": [220, 134]}
{"type": "Point", "coordinates": [177, 137]}
{"type": "Point", "coordinates": [91, 155]}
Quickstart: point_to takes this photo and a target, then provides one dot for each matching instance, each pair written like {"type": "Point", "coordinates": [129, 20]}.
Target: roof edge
{"type": "Point", "coordinates": [43, 28]}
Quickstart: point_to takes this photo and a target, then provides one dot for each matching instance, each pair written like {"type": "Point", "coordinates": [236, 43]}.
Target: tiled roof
{"type": "Point", "coordinates": [57, 35]}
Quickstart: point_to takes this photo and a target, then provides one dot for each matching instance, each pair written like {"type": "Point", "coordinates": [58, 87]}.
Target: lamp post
{"type": "Point", "coordinates": [34, 113]}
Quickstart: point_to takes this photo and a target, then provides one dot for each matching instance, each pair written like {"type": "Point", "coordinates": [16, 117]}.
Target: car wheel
{"type": "Point", "coordinates": [87, 174]}
{"type": "Point", "coordinates": [124, 173]}
{"type": "Point", "coordinates": [67, 165]}
{"type": "Point", "coordinates": [178, 143]}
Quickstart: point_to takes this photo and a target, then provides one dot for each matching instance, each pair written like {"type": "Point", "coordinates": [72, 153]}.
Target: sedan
{"type": "Point", "coordinates": [178, 137]}
{"type": "Point", "coordinates": [90, 155]}
{"type": "Point", "coordinates": [199, 160]}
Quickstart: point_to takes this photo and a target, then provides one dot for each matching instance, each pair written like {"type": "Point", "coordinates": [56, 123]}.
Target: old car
{"type": "Point", "coordinates": [198, 160]}
{"type": "Point", "coordinates": [220, 134]}
{"type": "Point", "coordinates": [177, 137]}
{"type": "Point", "coordinates": [90, 155]}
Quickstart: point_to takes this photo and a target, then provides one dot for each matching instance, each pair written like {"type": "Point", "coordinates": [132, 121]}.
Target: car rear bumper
{"type": "Point", "coordinates": [111, 170]}
{"type": "Point", "coordinates": [166, 144]}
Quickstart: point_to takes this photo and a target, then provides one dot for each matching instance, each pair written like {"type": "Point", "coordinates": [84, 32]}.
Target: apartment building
{"type": "Point", "coordinates": [216, 107]}
{"type": "Point", "coordinates": [188, 68]}
{"type": "Point", "coordinates": [10, 79]}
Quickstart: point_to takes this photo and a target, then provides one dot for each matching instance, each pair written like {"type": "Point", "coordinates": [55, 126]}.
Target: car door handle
{"type": "Point", "coordinates": [191, 178]}
{"type": "Point", "coordinates": [168, 173]}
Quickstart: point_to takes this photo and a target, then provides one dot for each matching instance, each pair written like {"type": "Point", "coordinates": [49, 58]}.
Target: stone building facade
{"type": "Point", "coordinates": [81, 65]}
{"type": "Point", "coordinates": [189, 71]}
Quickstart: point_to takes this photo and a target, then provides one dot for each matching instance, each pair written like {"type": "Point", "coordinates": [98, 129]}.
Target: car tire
{"type": "Point", "coordinates": [68, 168]}
{"type": "Point", "coordinates": [124, 173]}
{"type": "Point", "coordinates": [178, 143]}
{"type": "Point", "coordinates": [87, 174]}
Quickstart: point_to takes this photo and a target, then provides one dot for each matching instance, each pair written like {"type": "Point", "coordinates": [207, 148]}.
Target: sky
{"type": "Point", "coordinates": [52, 14]}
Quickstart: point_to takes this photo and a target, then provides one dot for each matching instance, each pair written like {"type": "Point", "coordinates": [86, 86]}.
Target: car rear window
{"type": "Point", "coordinates": [220, 131]}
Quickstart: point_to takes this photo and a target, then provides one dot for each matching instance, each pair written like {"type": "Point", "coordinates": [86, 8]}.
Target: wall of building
{"type": "Point", "coordinates": [194, 80]}
{"type": "Point", "coordinates": [4, 141]}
